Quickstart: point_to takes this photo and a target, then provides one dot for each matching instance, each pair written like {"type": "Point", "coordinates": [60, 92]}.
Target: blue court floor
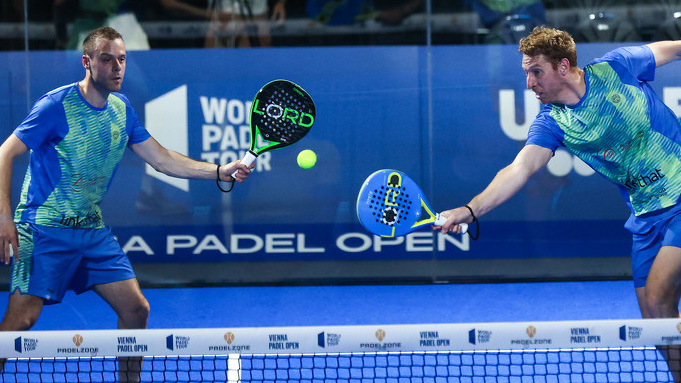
{"type": "Point", "coordinates": [355, 305]}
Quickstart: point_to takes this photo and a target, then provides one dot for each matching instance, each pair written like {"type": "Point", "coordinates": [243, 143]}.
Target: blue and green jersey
{"type": "Point", "coordinates": [75, 150]}
{"type": "Point", "coordinates": [620, 128]}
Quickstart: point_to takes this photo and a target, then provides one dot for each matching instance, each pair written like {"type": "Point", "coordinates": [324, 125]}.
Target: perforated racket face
{"type": "Point", "coordinates": [282, 113]}
{"type": "Point", "coordinates": [389, 203]}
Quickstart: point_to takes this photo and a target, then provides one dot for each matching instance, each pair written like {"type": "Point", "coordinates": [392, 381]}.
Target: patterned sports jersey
{"type": "Point", "coordinates": [620, 128]}
{"type": "Point", "coordinates": [75, 150]}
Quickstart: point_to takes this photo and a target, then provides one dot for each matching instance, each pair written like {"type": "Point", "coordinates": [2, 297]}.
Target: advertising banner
{"type": "Point", "coordinates": [448, 116]}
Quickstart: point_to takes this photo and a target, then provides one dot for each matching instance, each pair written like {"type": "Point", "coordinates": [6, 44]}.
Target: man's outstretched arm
{"type": "Point", "coordinates": [665, 51]}
{"type": "Point", "coordinates": [505, 184]}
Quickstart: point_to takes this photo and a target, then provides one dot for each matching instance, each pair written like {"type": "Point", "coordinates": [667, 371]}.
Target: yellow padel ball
{"type": "Point", "coordinates": [307, 159]}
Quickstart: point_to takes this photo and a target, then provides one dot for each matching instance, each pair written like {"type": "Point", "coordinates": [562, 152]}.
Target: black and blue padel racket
{"type": "Point", "coordinates": [281, 114]}
{"type": "Point", "coordinates": [391, 204]}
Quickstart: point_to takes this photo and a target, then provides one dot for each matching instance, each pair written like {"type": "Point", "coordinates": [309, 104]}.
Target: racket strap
{"type": "Point", "coordinates": [477, 224]}
{"type": "Point", "coordinates": [217, 182]}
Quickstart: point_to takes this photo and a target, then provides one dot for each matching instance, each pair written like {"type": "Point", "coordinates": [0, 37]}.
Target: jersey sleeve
{"type": "Point", "coordinates": [545, 131]}
{"type": "Point", "coordinates": [637, 60]}
{"type": "Point", "coordinates": [136, 131]}
{"type": "Point", "coordinates": [40, 124]}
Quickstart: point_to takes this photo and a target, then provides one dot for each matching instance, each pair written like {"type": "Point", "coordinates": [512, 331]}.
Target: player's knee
{"type": "Point", "coordinates": [27, 323]}
{"type": "Point", "coordinates": [18, 322]}
{"type": "Point", "coordinates": [661, 305]}
{"type": "Point", "coordinates": [142, 311]}
{"type": "Point", "coordinates": [137, 315]}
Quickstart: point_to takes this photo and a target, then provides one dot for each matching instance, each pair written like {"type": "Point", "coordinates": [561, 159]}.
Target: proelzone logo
{"type": "Point", "coordinates": [225, 130]}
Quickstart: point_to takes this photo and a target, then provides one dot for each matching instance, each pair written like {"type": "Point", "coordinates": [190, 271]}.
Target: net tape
{"type": "Point", "coordinates": [571, 351]}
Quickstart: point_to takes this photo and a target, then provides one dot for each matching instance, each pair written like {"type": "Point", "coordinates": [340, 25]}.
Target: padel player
{"type": "Point", "coordinates": [607, 115]}
{"type": "Point", "coordinates": [77, 135]}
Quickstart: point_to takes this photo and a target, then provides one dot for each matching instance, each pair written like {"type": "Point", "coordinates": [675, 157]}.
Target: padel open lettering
{"type": "Point", "coordinates": [284, 113]}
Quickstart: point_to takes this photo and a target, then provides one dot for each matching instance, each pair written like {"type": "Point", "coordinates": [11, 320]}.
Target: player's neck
{"type": "Point", "coordinates": [575, 89]}
{"type": "Point", "coordinates": [92, 94]}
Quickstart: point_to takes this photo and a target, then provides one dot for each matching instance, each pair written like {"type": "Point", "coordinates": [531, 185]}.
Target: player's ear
{"type": "Point", "coordinates": [86, 62]}
{"type": "Point", "coordinates": [564, 66]}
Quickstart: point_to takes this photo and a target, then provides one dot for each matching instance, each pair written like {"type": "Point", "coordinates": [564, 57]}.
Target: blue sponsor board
{"type": "Point", "coordinates": [327, 242]}
{"type": "Point", "coordinates": [373, 106]}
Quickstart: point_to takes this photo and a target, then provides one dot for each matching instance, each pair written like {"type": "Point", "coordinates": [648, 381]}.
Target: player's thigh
{"type": "Point", "coordinates": [657, 242]}
{"type": "Point", "coordinates": [103, 261]}
{"type": "Point", "coordinates": [46, 262]}
{"type": "Point", "coordinates": [665, 273]}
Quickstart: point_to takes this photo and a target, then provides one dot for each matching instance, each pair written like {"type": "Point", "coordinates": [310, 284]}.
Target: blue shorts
{"type": "Point", "coordinates": [651, 232]}
{"type": "Point", "coordinates": [52, 259]}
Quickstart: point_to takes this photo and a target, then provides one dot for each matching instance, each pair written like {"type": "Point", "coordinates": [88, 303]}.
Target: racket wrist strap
{"type": "Point", "coordinates": [217, 182]}
{"type": "Point", "coordinates": [466, 206]}
{"type": "Point", "coordinates": [477, 223]}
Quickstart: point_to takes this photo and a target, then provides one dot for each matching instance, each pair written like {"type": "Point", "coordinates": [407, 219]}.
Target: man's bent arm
{"type": "Point", "coordinates": [12, 148]}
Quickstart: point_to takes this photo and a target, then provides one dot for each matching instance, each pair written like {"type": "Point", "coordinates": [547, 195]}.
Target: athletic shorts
{"type": "Point", "coordinates": [651, 232]}
{"type": "Point", "coordinates": [52, 259]}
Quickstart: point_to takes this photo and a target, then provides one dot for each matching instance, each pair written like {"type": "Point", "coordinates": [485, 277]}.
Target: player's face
{"type": "Point", "coordinates": [542, 78]}
{"type": "Point", "coordinates": [107, 66]}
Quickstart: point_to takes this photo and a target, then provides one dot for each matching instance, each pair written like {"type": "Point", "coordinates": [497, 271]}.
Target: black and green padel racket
{"type": "Point", "coordinates": [282, 113]}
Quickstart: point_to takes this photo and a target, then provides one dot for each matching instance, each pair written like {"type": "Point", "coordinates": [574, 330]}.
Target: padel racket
{"type": "Point", "coordinates": [391, 204]}
{"type": "Point", "coordinates": [282, 113]}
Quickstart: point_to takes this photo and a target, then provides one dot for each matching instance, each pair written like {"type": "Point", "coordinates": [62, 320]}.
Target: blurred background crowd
{"type": "Point", "coordinates": [152, 24]}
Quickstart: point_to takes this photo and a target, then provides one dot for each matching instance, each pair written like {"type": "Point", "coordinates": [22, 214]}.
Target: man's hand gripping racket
{"type": "Point", "coordinates": [282, 113]}
{"type": "Point", "coordinates": [391, 204]}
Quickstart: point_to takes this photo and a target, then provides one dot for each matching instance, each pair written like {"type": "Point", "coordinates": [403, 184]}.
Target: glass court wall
{"type": "Point", "coordinates": [431, 88]}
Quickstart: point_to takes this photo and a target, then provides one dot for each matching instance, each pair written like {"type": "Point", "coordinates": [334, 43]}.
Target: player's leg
{"type": "Point", "coordinates": [22, 313]}
{"type": "Point", "coordinates": [663, 287]}
{"type": "Point", "coordinates": [106, 269]}
{"type": "Point", "coordinates": [656, 266]}
{"type": "Point", "coordinates": [642, 305]}
{"type": "Point", "coordinates": [40, 273]}
{"type": "Point", "coordinates": [127, 300]}
{"type": "Point", "coordinates": [659, 298]}
{"type": "Point", "coordinates": [669, 353]}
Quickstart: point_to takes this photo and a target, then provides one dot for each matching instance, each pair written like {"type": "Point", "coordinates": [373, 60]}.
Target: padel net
{"type": "Point", "coordinates": [561, 351]}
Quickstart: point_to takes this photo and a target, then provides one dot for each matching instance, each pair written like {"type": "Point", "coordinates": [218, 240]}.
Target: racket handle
{"type": "Point", "coordinates": [247, 160]}
{"type": "Point", "coordinates": [440, 220]}
{"type": "Point", "coordinates": [464, 228]}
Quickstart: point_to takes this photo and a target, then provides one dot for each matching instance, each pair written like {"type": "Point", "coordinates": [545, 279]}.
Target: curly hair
{"type": "Point", "coordinates": [106, 33]}
{"type": "Point", "coordinates": [554, 44]}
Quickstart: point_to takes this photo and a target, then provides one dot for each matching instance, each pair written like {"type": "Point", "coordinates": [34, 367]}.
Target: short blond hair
{"type": "Point", "coordinates": [105, 33]}
{"type": "Point", "coordinates": [554, 44]}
